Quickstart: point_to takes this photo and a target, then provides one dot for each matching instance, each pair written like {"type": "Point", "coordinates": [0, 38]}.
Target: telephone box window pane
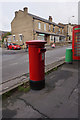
{"type": "Point", "coordinates": [77, 44]}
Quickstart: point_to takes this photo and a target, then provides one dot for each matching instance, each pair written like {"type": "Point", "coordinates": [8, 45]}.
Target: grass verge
{"type": "Point", "coordinates": [25, 87]}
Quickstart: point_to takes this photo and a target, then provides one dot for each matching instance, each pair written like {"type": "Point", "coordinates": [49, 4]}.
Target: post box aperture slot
{"type": "Point", "coordinates": [42, 50]}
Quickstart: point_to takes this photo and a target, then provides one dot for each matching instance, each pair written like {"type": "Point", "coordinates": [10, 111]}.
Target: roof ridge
{"type": "Point", "coordinates": [43, 19]}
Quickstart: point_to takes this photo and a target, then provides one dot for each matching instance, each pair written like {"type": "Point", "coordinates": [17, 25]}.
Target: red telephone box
{"type": "Point", "coordinates": [76, 42]}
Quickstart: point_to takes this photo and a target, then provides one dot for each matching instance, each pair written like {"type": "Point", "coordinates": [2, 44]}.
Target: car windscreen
{"type": "Point", "coordinates": [14, 44]}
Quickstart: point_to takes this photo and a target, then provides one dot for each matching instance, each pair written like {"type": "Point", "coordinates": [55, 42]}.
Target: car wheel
{"type": "Point", "coordinates": [12, 48]}
{"type": "Point", "coordinates": [7, 48]}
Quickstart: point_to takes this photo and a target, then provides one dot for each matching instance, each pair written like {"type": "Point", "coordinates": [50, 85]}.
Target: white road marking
{"type": "Point", "coordinates": [14, 64]}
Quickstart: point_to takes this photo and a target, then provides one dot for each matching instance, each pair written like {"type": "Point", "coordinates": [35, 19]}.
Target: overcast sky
{"type": "Point", "coordinates": [60, 11]}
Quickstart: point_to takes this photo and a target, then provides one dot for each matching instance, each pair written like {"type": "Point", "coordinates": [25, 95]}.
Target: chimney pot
{"type": "Point", "coordinates": [50, 18]}
{"type": "Point", "coordinates": [25, 9]}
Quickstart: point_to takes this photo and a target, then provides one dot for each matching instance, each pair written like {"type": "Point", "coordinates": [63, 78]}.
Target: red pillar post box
{"type": "Point", "coordinates": [37, 63]}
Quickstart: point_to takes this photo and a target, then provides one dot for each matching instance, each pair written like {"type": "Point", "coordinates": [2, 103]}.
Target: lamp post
{"type": "Point", "coordinates": [68, 26]}
{"type": "Point", "coordinates": [70, 18]}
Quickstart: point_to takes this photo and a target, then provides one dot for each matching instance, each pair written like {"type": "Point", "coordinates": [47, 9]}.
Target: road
{"type": "Point", "coordinates": [14, 65]}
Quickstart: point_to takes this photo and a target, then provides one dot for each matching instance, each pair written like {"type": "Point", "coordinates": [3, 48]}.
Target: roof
{"type": "Point", "coordinates": [44, 20]}
{"type": "Point", "coordinates": [63, 24]}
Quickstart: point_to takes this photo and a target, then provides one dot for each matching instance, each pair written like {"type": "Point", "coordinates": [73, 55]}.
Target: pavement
{"type": "Point", "coordinates": [59, 98]}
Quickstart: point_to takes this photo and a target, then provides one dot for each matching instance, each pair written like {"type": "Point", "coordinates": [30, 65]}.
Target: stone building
{"type": "Point", "coordinates": [68, 28]}
{"type": "Point", "coordinates": [26, 26]}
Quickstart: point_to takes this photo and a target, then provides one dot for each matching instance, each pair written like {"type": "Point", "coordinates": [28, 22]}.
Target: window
{"type": "Point", "coordinates": [53, 28]}
{"type": "Point", "coordinates": [49, 27]}
{"type": "Point", "coordinates": [51, 38]}
{"type": "Point", "coordinates": [39, 25]}
{"type": "Point", "coordinates": [9, 39]}
{"type": "Point", "coordinates": [20, 37]}
{"type": "Point", "coordinates": [59, 29]}
{"type": "Point", "coordinates": [45, 27]}
{"type": "Point", "coordinates": [14, 37]}
{"type": "Point", "coordinates": [68, 30]}
{"type": "Point", "coordinates": [62, 30]}
{"type": "Point", "coordinates": [41, 37]}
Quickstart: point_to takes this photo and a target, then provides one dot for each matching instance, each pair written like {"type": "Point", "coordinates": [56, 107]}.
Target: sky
{"type": "Point", "coordinates": [61, 11]}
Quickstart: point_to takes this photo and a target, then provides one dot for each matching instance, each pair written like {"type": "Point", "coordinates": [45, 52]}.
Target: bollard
{"type": "Point", "coordinates": [37, 63]}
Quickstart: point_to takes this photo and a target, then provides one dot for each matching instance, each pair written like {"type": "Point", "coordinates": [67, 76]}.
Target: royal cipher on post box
{"type": "Point", "coordinates": [37, 63]}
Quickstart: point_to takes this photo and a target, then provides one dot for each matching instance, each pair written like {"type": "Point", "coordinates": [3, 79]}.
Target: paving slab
{"type": "Point", "coordinates": [20, 109]}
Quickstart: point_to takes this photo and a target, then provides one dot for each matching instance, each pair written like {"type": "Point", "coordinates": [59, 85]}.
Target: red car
{"type": "Point", "coordinates": [14, 46]}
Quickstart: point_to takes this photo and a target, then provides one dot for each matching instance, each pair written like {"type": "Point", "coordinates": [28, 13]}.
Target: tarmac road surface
{"type": "Point", "coordinates": [14, 65]}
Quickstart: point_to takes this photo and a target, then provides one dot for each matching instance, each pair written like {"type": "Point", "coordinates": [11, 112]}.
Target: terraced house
{"type": "Point", "coordinates": [68, 28]}
{"type": "Point", "coordinates": [26, 26]}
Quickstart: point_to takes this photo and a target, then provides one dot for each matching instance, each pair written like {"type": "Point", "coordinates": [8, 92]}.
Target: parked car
{"type": "Point", "coordinates": [14, 46]}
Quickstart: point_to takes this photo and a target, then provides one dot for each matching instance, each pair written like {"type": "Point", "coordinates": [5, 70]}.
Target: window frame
{"type": "Point", "coordinates": [62, 30]}
{"type": "Point", "coordinates": [20, 37]}
{"type": "Point", "coordinates": [45, 26]}
{"type": "Point", "coordinates": [59, 30]}
{"type": "Point", "coordinates": [13, 37]}
{"type": "Point", "coordinates": [39, 25]}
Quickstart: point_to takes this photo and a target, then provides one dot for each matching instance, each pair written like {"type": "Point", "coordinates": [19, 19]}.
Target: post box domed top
{"type": "Point", "coordinates": [36, 42]}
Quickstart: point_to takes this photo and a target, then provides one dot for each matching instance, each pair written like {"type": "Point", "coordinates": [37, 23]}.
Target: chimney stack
{"type": "Point", "coordinates": [50, 18]}
{"type": "Point", "coordinates": [25, 9]}
{"type": "Point", "coordinates": [16, 13]}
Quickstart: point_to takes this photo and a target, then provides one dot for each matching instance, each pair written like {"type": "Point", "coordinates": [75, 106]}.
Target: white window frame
{"type": "Point", "coordinates": [45, 27]}
{"type": "Point", "coordinates": [59, 29]}
{"type": "Point", "coordinates": [62, 30]}
{"type": "Point", "coordinates": [51, 37]}
{"type": "Point", "coordinates": [13, 37]}
{"type": "Point", "coordinates": [39, 25]}
{"type": "Point", "coordinates": [20, 37]}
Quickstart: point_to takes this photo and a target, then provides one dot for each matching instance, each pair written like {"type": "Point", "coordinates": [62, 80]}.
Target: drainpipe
{"type": "Point", "coordinates": [33, 31]}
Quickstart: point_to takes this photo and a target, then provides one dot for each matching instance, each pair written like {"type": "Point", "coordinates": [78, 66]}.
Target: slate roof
{"type": "Point", "coordinates": [44, 20]}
